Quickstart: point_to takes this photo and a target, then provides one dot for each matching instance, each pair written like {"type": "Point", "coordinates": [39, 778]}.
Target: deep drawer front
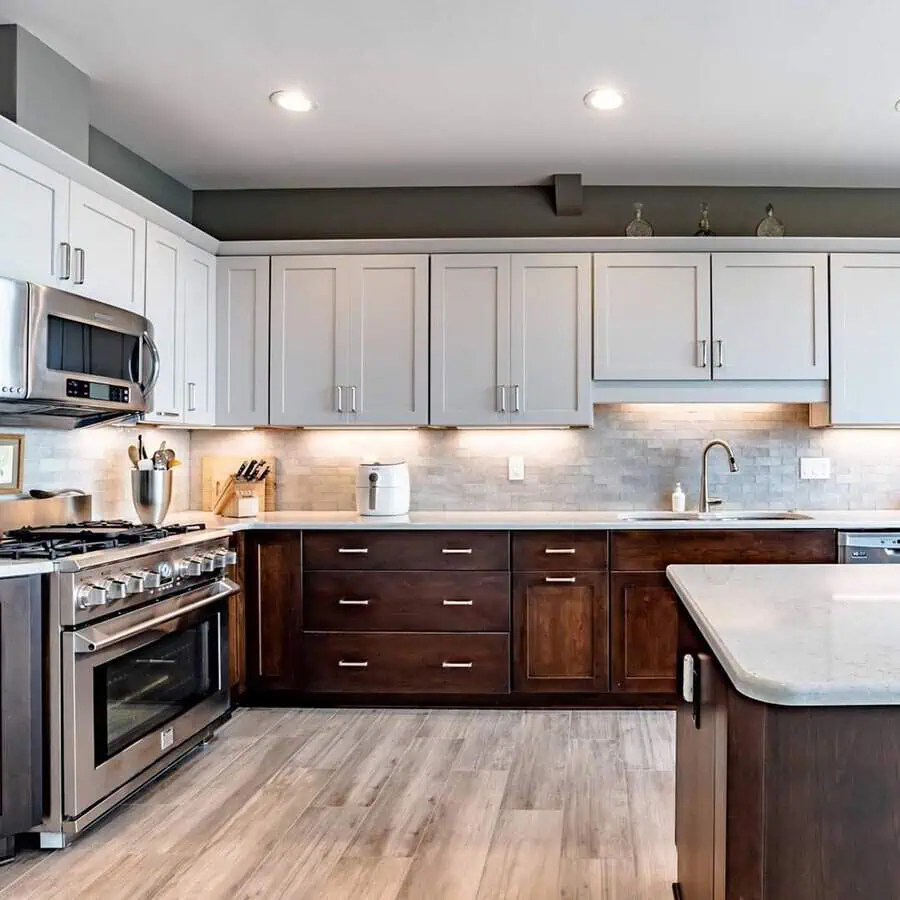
{"type": "Point", "coordinates": [652, 551]}
{"type": "Point", "coordinates": [407, 663]}
{"type": "Point", "coordinates": [559, 551]}
{"type": "Point", "coordinates": [406, 601]}
{"type": "Point", "coordinates": [407, 550]}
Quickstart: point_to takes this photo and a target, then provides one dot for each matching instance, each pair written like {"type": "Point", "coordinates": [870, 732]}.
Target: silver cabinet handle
{"type": "Point", "coordinates": [702, 354]}
{"type": "Point", "coordinates": [687, 678]}
{"type": "Point", "coordinates": [163, 412]}
{"type": "Point", "coordinates": [447, 551]}
{"type": "Point", "coordinates": [347, 664]}
{"type": "Point", "coordinates": [192, 396]}
{"type": "Point", "coordinates": [517, 396]}
{"type": "Point", "coordinates": [339, 398]}
{"type": "Point", "coordinates": [353, 408]}
{"type": "Point", "coordinates": [570, 579]}
{"type": "Point", "coordinates": [79, 266]}
{"type": "Point", "coordinates": [65, 261]}
{"type": "Point", "coordinates": [446, 664]}
{"type": "Point", "coordinates": [457, 602]}
{"type": "Point", "coordinates": [362, 551]}
{"type": "Point", "coordinates": [718, 354]}
{"type": "Point", "coordinates": [501, 398]}
{"type": "Point", "coordinates": [552, 551]}
{"type": "Point", "coordinates": [345, 602]}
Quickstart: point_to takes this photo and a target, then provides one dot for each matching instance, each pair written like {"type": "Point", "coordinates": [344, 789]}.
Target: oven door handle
{"type": "Point", "coordinates": [84, 642]}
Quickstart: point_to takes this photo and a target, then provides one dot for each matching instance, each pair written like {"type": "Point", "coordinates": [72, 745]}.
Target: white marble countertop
{"type": "Point", "coordinates": [800, 635]}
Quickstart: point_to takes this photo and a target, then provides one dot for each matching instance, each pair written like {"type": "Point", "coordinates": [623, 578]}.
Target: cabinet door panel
{"type": "Point", "coordinates": [560, 626]}
{"type": "Point", "coordinates": [35, 220]}
{"type": "Point", "coordinates": [165, 310]}
{"type": "Point", "coordinates": [770, 313]}
{"type": "Point", "coordinates": [199, 337]}
{"type": "Point", "coordinates": [651, 313]}
{"type": "Point", "coordinates": [644, 637]}
{"type": "Point", "coordinates": [550, 356]}
{"type": "Point", "coordinates": [242, 341]}
{"type": "Point", "coordinates": [470, 321]}
{"type": "Point", "coordinates": [389, 340]}
{"type": "Point", "coordinates": [113, 240]}
{"type": "Point", "coordinates": [310, 339]}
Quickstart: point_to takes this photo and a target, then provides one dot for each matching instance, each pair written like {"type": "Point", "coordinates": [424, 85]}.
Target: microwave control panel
{"type": "Point", "coordinates": [92, 390]}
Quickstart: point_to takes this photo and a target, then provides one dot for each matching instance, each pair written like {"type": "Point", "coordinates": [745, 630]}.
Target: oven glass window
{"type": "Point", "coordinates": [137, 693]}
{"type": "Point", "coordinates": [90, 350]}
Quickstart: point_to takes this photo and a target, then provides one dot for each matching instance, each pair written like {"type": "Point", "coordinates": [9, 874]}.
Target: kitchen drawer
{"type": "Point", "coordinates": [652, 551]}
{"type": "Point", "coordinates": [406, 601]}
{"type": "Point", "coordinates": [558, 551]}
{"type": "Point", "coordinates": [394, 663]}
{"type": "Point", "coordinates": [406, 550]}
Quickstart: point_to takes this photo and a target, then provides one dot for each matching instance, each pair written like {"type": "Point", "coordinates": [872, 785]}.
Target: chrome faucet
{"type": "Point", "coordinates": [705, 500]}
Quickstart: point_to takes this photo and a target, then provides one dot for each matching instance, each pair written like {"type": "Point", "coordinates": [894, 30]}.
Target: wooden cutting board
{"type": "Point", "coordinates": [215, 471]}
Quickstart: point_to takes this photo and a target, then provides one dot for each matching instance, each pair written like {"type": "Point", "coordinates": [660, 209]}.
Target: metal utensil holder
{"type": "Point", "coordinates": [151, 492]}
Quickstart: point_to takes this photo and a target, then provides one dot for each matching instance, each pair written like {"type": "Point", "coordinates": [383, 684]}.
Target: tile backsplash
{"type": "Point", "coordinates": [631, 459]}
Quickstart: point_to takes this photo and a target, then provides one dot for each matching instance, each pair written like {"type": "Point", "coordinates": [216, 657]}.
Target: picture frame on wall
{"type": "Point", "coordinates": [12, 453]}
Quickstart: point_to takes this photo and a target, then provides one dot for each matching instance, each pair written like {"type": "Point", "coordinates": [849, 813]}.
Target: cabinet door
{"type": "Point", "coordinates": [644, 626]}
{"type": "Point", "coordinates": [470, 321]}
{"type": "Point", "coordinates": [550, 349]}
{"type": "Point", "coordinates": [651, 317]}
{"type": "Point", "coordinates": [770, 316]}
{"type": "Point", "coordinates": [560, 628]}
{"type": "Point", "coordinates": [108, 250]}
{"type": "Point", "coordinates": [310, 344]}
{"type": "Point", "coordinates": [199, 336]}
{"type": "Point", "coordinates": [865, 322]}
{"type": "Point", "coordinates": [165, 310]}
{"type": "Point", "coordinates": [389, 341]}
{"type": "Point", "coordinates": [242, 340]}
{"type": "Point", "coordinates": [274, 610]}
{"type": "Point", "coordinates": [35, 221]}
{"type": "Point", "coordinates": [237, 621]}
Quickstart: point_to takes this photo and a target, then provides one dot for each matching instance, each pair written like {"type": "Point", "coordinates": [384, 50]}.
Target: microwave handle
{"type": "Point", "coordinates": [154, 357]}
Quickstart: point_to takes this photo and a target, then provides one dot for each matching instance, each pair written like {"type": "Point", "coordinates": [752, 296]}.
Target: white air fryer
{"type": "Point", "coordinates": [382, 489]}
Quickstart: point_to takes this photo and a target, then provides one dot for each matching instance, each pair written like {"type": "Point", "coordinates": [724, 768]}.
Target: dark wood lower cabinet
{"type": "Point", "coordinates": [560, 632]}
{"type": "Point", "coordinates": [237, 625]}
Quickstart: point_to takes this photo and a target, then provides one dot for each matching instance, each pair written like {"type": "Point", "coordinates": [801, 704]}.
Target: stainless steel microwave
{"type": "Point", "coordinates": [70, 362]}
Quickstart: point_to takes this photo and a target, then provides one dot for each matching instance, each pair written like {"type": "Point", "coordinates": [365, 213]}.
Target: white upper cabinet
{"type": "Point", "coordinates": [550, 348]}
{"type": "Point", "coordinates": [108, 250]}
{"type": "Point", "coordinates": [165, 309]}
{"type": "Point", "coordinates": [199, 337]}
{"type": "Point", "coordinates": [652, 316]}
{"type": "Point", "coordinates": [470, 339]}
{"type": "Point", "coordinates": [242, 341]}
{"type": "Point", "coordinates": [865, 323]}
{"type": "Point", "coordinates": [770, 316]}
{"type": "Point", "coordinates": [34, 221]}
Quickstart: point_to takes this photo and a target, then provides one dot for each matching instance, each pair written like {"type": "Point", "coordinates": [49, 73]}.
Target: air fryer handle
{"type": "Point", "coordinates": [373, 483]}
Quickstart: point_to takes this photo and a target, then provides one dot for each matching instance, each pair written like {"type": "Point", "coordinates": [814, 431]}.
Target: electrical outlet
{"type": "Point", "coordinates": [517, 468]}
{"type": "Point", "coordinates": [815, 468]}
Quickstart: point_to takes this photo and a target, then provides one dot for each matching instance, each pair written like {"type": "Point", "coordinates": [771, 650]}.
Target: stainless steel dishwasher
{"type": "Point", "coordinates": [869, 547]}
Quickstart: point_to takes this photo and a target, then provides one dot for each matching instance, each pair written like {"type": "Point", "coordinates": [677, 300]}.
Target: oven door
{"type": "Point", "coordinates": [139, 685]}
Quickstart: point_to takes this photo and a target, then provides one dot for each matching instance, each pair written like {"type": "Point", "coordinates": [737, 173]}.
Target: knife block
{"type": "Point", "coordinates": [241, 499]}
{"type": "Point", "coordinates": [217, 478]}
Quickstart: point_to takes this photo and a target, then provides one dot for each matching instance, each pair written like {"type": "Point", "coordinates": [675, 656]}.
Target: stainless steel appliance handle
{"type": "Point", "coordinates": [154, 357]}
{"type": "Point", "coordinates": [79, 266]}
{"type": "Point", "coordinates": [84, 643]}
{"type": "Point", "coordinates": [65, 261]}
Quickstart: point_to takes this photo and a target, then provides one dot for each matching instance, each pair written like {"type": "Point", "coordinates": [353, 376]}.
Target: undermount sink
{"type": "Point", "coordinates": [723, 516]}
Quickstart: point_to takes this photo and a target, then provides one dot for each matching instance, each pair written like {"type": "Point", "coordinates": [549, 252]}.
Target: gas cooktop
{"type": "Point", "coordinates": [58, 541]}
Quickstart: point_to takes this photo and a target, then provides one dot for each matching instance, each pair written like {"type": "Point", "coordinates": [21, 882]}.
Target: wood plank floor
{"type": "Point", "coordinates": [390, 805]}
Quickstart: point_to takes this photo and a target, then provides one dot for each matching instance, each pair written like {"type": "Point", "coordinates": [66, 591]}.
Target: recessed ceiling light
{"type": "Point", "coordinates": [604, 98]}
{"type": "Point", "coordinates": [293, 101]}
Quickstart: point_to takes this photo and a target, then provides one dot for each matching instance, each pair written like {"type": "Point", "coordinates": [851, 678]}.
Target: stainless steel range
{"type": "Point", "coordinates": [137, 657]}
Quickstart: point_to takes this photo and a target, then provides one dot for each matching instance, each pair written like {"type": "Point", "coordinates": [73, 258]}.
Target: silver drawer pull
{"type": "Point", "coordinates": [360, 550]}
{"type": "Point", "coordinates": [570, 579]}
{"type": "Point", "coordinates": [456, 665]}
{"type": "Point", "coordinates": [567, 551]}
{"type": "Point", "coordinates": [345, 602]}
{"type": "Point", "coordinates": [346, 664]}
{"type": "Point", "coordinates": [458, 602]}
{"type": "Point", "coordinates": [450, 552]}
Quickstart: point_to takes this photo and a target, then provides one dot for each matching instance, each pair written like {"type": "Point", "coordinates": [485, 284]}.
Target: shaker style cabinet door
{"type": "Point", "coordinates": [34, 224]}
{"type": "Point", "coordinates": [770, 316]}
{"type": "Point", "coordinates": [470, 339]}
{"type": "Point", "coordinates": [652, 317]}
{"type": "Point", "coordinates": [310, 340]}
{"type": "Point", "coordinates": [550, 356]}
{"type": "Point", "coordinates": [242, 340]}
{"type": "Point", "coordinates": [199, 340]}
{"type": "Point", "coordinates": [108, 250]}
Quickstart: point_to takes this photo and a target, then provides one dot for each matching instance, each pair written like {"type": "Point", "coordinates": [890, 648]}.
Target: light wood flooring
{"type": "Point", "coordinates": [390, 805]}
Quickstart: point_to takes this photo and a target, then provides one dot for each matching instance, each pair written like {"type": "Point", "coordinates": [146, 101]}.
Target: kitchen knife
{"type": "Point", "coordinates": [261, 476]}
{"type": "Point", "coordinates": [241, 470]}
{"type": "Point", "coordinates": [248, 474]}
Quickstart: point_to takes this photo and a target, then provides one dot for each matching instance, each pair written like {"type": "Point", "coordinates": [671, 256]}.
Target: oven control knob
{"type": "Point", "coordinates": [218, 559]}
{"type": "Point", "coordinates": [230, 557]}
{"type": "Point", "coordinates": [92, 595]}
{"type": "Point", "coordinates": [165, 571]}
{"type": "Point", "coordinates": [134, 582]}
{"type": "Point", "coordinates": [207, 561]}
{"type": "Point", "coordinates": [116, 589]}
{"type": "Point", "coordinates": [188, 568]}
{"type": "Point", "coordinates": [150, 579]}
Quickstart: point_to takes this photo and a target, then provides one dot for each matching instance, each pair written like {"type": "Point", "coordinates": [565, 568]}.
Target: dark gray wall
{"type": "Point", "coordinates": [125, 166]}
{"type": "Point", "coordinates": [527, 211]}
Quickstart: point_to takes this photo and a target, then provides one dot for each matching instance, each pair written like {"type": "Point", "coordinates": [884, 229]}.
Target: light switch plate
{"type": "Point", "coordinates": [517, 468]}
{"type": "Point", "coordinates": [815, 468]}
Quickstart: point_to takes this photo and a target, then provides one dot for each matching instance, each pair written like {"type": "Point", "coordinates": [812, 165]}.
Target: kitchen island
{"type": "Point", "coordinates": [788, 732]}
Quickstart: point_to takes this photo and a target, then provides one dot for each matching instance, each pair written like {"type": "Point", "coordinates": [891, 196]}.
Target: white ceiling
{"type": "Point", "coordinates": [443, 92]}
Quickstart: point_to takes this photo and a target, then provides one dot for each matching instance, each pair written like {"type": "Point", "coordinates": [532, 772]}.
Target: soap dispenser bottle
{"type": "Point", "coordinates": [678, 499]}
